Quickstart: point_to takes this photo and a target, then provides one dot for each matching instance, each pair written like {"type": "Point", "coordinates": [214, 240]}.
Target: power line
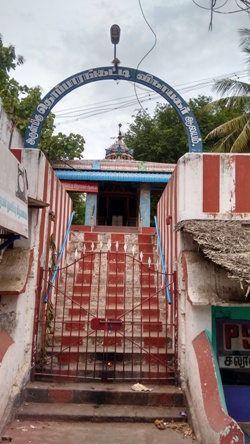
{"type": "Point", "coordinates": [87, 111]}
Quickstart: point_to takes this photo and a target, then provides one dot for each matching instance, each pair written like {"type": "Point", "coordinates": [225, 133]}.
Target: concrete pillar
{"type": "Point", "coordinates": [91, 208]}
{"type": "Point", "coordinates": [145, 204]}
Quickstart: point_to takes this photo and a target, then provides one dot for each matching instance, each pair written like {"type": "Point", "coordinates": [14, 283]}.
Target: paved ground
{"type": "Point", "coordinates": [37, 432]}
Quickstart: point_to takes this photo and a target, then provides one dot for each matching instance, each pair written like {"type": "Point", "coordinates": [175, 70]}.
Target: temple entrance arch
{"type": "Point", "coordinates": [46, 105]}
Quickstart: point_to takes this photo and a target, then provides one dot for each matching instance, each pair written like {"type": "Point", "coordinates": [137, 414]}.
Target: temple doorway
{"type": "Point", "coordinates": [117, 205]}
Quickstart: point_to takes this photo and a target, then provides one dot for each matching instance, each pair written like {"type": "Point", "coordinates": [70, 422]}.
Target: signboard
{"type": "Point", "coordinates": [13, 195]}
{"type": "Point", "coordinates": [233, 349]}
{"type": "Point", "coordinates": [80, 187]}
{"type": "Point", "coordinates": [45, 106]}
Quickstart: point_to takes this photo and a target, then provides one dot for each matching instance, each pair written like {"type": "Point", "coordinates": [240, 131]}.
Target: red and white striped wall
{"type": "Point", "coordinates": [45, 187]}
{"type": "Point", "coordinates": [213, 186]}
{"type": "Point", "coordinates": [202, 187]}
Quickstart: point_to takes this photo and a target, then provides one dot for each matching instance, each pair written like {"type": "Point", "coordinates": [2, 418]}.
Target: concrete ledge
{"type": "Point", "coordinates": [14, 270]}
{"type": "Point", "coordinates": [207, 283]}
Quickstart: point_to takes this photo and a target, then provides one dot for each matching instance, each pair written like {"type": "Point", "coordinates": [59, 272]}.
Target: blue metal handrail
{"type": "Point", "coordinates": [162, 261]}
{"type": "Point", "coordinates": [59, 258]}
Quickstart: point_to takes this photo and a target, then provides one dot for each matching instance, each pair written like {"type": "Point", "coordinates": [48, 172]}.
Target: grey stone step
{"type": "Point", "coordinates": [100, 402]}
{"type": "Point", "coordinates": [103, 393]}
{"type": "Point", "coordinates": [97, 413]}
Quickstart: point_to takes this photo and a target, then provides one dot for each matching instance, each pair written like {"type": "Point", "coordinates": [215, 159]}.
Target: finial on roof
{"type": "Point", "coordinates": [119, 149]}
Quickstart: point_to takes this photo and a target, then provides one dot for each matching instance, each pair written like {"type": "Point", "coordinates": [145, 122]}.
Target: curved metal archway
{"type": "Point", "coordinates": [42, 110]}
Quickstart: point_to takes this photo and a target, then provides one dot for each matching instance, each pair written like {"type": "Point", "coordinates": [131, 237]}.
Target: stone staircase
{"type": "Point", "coordinates": [99, 402]}
{"type": "Point", "coordinates": [92, 380]}
{"type": "Point", "coordinates": [111, 324]}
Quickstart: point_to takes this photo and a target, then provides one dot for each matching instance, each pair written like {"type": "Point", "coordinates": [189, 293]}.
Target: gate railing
{"type": "Point", "coordinates": [108, 320]}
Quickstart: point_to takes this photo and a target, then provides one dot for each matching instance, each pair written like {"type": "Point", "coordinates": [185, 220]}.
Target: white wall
{"type": "Point", "coordinates": [17, 311]}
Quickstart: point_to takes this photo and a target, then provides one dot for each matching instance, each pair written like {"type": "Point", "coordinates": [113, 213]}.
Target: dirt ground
{"type": "Point", "coordinates": [37, 432]}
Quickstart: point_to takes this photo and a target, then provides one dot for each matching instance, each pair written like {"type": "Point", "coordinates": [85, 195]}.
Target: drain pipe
{"type": "Point", "coordinates": [162, 261]}
{"type": "Point", "coordinates": [59, 258]}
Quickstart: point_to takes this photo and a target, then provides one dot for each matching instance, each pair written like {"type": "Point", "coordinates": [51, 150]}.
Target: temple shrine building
{"type": "Point", "coordinates": [118, 189]}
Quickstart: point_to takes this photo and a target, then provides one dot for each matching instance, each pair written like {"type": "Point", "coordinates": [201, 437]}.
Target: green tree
{"type": "Point", "coordinates": [234, 134]}
{"type": "Point", "coordinates": [162, 137]}
{"type": "Point", "coordinates": [79, 206]}
{"type": "Point", "coordinates": [8, 61]}
{"type": "Point", "coordinates": [65, 147]}
{"type": "Point", "coordinates": [19, 101]}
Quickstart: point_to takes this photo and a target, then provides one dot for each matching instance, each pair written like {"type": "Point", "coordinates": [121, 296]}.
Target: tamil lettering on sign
{"type": "Point", "coordinates": [233, 343]}
{"type": "Point", "coordinates": [42, 110]}
{"type": "Point", "coordinates": [80, 187]}
{"type": "Point", "coordinates": [13, 195]}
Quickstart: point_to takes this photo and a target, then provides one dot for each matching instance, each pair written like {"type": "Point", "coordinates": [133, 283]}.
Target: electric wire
{"type": "Point", "coordinates": [86, 111]}
{"type": "Point", "coordinates": [143, 58]}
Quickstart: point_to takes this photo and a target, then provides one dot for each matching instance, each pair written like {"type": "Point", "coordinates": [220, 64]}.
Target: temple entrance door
{"type": "Point", "coordinates": [118, 205]}
{"type": "Point", "coordinates": [117, 211]}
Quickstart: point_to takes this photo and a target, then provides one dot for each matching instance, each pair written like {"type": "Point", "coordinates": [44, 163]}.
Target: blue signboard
{"type": "Point", "coordinates": [42, 110]}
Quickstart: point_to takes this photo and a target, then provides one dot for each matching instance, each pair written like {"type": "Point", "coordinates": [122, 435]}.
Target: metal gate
{"type": "Point", "coordinates": [107, 318]}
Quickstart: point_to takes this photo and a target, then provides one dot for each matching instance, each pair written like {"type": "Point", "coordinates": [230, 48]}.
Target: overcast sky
{"type": "Point", "coordinates": [59, 38]}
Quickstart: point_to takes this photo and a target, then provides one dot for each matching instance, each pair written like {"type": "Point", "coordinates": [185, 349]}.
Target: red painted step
{"type": "Point", "coordinates": [153, 312]}
{"type": "Point", "coordinates": [74, 325]}
{"type": "Point", "coordinates": [78, 312]}
{"type": "Point", "coordinates": [155, 342]}
{"type": "Point", "coordinates": [116, 279]}
{"type": "Point", "coordinates": [82, 289]}
{"type": "Point", "coordinates": [81, 300]}
{"type": "Point", "coordinates": [66, 357]}
{"type": "Point", "coordinates": [148, 279]}
{"type": "Point", "coordinates": [144, 239]}
{"type": "Point", "coordinates": [114, 300]}
{"type": "Point", "coordinates": [114, 312]}
{"type": "Point", "coordinates": [113, 290]}
{"type": "Point", "coordinates": [86, 265]}
{"type": "Point", "coordinates": [117, 267]}
{"type": "Point", "coordinates": [72, 340]}
{"type": "Point", "coordinates": [83, 278]}
{"type": "Point", "coordinates": [152, 326]}
{"type": "Point", "coordinates": [149, 302]}
{"type": "Point", "coordinates": [146, 248]}
{"type": "Point", "coordinates": [117, 237]}
{"type": "Point", "coordinates": [90, 237]}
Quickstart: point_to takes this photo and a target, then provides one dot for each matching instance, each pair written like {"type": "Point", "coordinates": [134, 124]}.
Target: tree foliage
{"type": "Point", "coordinates": [162, 137]}
{"type": "Point", "coordinates": [19, 101]}
{"type": "Point", "coordinates": [8, 60]}
{"type": "Point", "coordinates": [79, 206]}
{"type": "Point", "coordinates": [64, 147]}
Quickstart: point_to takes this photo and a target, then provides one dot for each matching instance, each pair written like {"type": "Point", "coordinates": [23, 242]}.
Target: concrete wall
{"type": "Point", "coordinates": [202, 187]}
{"type": "Point", "coordinates": [49, 212]}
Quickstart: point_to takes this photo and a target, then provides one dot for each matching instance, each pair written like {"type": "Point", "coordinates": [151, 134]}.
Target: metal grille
{"type": "Point", "coordinates": [107, 319]}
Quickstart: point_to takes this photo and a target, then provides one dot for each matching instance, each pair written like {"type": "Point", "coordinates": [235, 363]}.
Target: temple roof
{"type": "Point", "coordinates": [116, 176]}
{"type": "Point", "coordinates": [113, 165]}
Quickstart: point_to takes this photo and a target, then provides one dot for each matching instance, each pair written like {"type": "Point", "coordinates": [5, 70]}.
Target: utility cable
{"type": "Point", "coordinates": [143, 58]}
